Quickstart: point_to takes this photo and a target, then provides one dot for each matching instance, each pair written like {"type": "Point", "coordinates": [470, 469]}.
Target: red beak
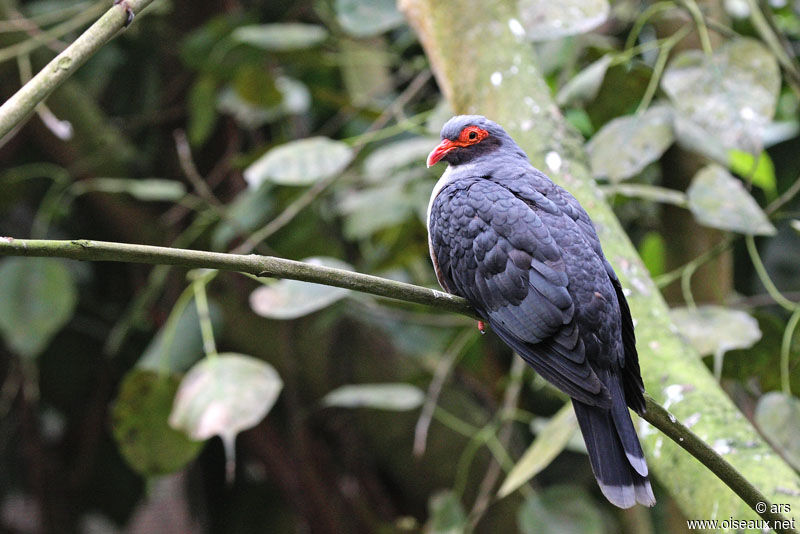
{"type": "Point", "coordinates": [439, 152]}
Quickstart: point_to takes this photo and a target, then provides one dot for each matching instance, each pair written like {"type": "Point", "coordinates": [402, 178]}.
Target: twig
{"type": "Point", "coordinates": [660, 418]}
{"type": "Point", "coordinates": [17, 108]}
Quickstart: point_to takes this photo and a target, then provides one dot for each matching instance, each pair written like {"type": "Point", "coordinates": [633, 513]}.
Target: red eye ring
{"type": "Point", "coordinates": [471, 135]}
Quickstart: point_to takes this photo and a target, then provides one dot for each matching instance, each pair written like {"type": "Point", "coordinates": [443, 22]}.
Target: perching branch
{"type": "Point", "coordinates": [87, 250]}
{"type": "Point", "coordinates": [17, 108]}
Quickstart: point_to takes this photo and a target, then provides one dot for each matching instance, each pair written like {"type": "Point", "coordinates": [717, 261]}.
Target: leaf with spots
{"type": "Point", "coordinates": [585, 85]}
{"type": "Point", "coordinates": [626, 145]}
{"type": "Point", "coordinates": [394, 397]}
{"type": "Point", "coordinates": [140, 428]}
{"type": "Point", "coordinates": [719, 200]}
{"type": "Point", "coordinates": [544, 20]}
{"type": "Point", "coordinates": [732, 95]}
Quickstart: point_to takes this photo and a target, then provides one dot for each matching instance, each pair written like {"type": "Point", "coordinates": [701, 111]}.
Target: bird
{"type": "Point", "coordinates": [525, 255]}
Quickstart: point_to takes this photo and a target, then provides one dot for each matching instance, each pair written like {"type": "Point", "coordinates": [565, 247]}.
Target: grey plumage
{"type": "Point", "coordinates": [526, 255]}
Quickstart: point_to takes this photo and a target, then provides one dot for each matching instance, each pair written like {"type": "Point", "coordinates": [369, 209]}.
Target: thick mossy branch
{"type": "Point", "coordinates": [486, 65]}
{"type": "Point", "coordinates": [87, 250]}
{"type": "Point", "coordinates": [17, 108]}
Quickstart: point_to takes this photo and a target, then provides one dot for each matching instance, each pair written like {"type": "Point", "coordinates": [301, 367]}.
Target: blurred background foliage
{"type": "Point", "coordinates": [299, 129]}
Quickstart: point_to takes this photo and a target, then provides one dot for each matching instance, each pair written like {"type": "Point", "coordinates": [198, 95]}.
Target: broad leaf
{"type": "Point", "coordinates": [446, 514]}
{"type": "Point", "coordinates": [544, 20]}
{"type": "Point", "coordinates": [394, 397]}
{"type": "Point", "coordinates": [732, 95]}
{"type": "Point", "coordinates": [692, 137]}
{"type": "Point", "coordinates": [560, 510]}
{"type": "Point", "coordinates": [719, 200]}
{"type": "Point", "coordinates": [140, 428]}
{"type": "Point", "coordinates": [296, 98]}
{"type": "Point", "coordinates": [585, 85]}
{"type": "Point", "coordinates": [369, 210]}
{"type": "Point", "coordinates": [202, 111]}
{"type": "Point", "coordinates": [290, 299]}
{"type": "Point", "coordinates": [382, 164]}
{"type": "Point", "coordinates": [715, 330]}
{"type": "Point", "coordinates": [624, 146]}
{"type": "Point", "coordinates": [548, 444]}
{"type": "Point", "coordinates": [281, 37]}
{"type": "Point", "coordinates": [300, 162]}
{"type": "Point", "coordinates": [653, 251]}
{"type": "Point", "coordinates": [362, 18]}
{"type": "Point", "coordinates": [778, 417]}
{"type": "Point", "coordinates": [37, 298]}
{"type": "Point", "coordinates": [249, 210]}
{"type": "Point", "coordinates": [224, 395]}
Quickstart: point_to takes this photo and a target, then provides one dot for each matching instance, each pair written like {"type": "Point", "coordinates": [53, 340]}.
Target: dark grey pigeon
{"type": "Point", "coordinates": [525, 254]}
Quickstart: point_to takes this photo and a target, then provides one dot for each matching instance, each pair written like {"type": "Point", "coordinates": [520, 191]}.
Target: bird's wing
{"type": "Point", "coordinates": [493, 249]}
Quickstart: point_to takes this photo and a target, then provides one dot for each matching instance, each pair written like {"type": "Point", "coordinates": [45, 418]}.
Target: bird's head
{"type": "Point", "coordinates": [466, 137]}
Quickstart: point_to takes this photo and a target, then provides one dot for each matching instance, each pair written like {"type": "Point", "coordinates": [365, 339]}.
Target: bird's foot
{"type": "Point", "coordinates": [481, 327]}
{"type": "Point", "coordinates": [128, 11]}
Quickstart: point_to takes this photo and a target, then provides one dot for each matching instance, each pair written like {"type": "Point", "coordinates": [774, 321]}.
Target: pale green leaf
{"type": "Point", "coordinates": [393, 397]}
{"type": "Point", "coordinates": [548, 444]}
{"type": "Point", "coordinates": [715, 330]}
{"type": "Point", "coordinates": [383, 163]}
{"type": "Point", "coordinates": [778, 417]}
{"type": "Point", "coordinates": [140, 428]}
{"type": "Point", "coordinates": [761, 172]}
{"type": "Point", "coordinates": [224, 395]}
{"type": "Point", "coordinates": [732, 95]}
{"type": "Point", "coordinates": [719, 200]}
{"type": "Point", "coordinates": [544, 20]}
{"type": "Point", "coordinates": [281, 37]}
{"type": "Point", "coordinates": [290, 299]}
{"type": "Point", "coordinates": [624, 146]}
{"type": "Point", "coordinates": [295, 99]}
{"type": "Point", "coordinates": [148, 189]}
{"type": "Point", "coordinates": [584, 86]}
{"type": "Point", "coordinates": [301, 162]}
{"type": "Point", "coordinates": [37, 298]}
{"type": "Point", "coordinates": [365, 18]}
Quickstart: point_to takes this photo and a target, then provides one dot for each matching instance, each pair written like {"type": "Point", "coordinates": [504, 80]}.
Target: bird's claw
{"type": "Point", "coordinates": [481, 327]}
{"type": "Point", "coordinates": [129, 14]}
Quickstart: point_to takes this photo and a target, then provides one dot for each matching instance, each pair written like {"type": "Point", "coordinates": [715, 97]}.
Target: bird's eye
{"type": "Point", "coordinates": [473, 135]}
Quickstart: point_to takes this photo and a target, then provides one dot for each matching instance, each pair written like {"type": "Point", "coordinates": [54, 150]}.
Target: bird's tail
{"type": "Point", "coordinates": [614, 450]}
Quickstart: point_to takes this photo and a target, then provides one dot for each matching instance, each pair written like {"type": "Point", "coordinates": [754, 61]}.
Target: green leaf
{"type": "Point", "coordinates": [778, 418]}
{"type": "Point", "coordinates": [446, 513]}
{"type": "Point", "coordinates": [585, 85]}
{"type": "Point", "coordinates": [393, 397]}
{"type": "Point", "coordinates": [692, 137]}
{"type": "Point", "coordinates": [202, 111]}
{"type": "Point", "coordinates": [300, 162]}
{"type": "Point", "coordinates": [548, 444]}
{"type": "Point", "coordinates": [624, 146]}
{"type": "Point", "coordinates": [761, 173]}
{"type": "Point", "coordinates": [186, 346]}
{"type": "Point", "coordinates": [147, 189]}
{"type": "Point", "coordinates": [249, 210]}
{"type": "Point", "coordinates": [383, 163]}
{"type": "Point", "coordinates": [653, 251]}
{"type": "Point", "coordinates": [715, 330]}
{"type": "Point", "coordinates": [253, 83]}
{"type": "Point", "coordinates": [366, 71]}
{"type": "Point", "coordinates": [369, 210]}
{"type": "Point", "coordinates": [290, 299]}
{"type": "Point", "coordinates": [281, 37]}
{"type": "Point", "coordinates": [139, 424]}
{"type": "Point", "coordinates": [544, 21]}
{"type": "Point", "coordinates": [649, 192]}
{"type": "Point", "coordinates": [719, 200]}
{"type": "Point", "coordinates": [560, 510]}
{"type": "Point", "coordinates": [732, 95]}
{"type": "Point", "coordinates": [37, 298]}
{"type": "Point", "coordinates": [224, 395]}
{"type": "Point", "coordinates": [365, 18]}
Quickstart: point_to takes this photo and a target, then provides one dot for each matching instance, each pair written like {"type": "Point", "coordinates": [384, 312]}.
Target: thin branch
{"type": "Point", "coordinates": [269, 266]}
{"type": "Point", "coordinates": [660, 418]}
{"type": "Point", "coordinates": [17, 108]}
